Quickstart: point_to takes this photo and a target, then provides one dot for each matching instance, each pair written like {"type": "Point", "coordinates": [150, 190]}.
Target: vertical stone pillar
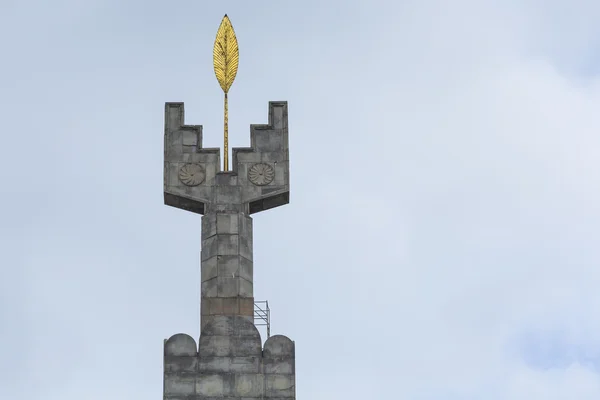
{"type": "Point", "coordinates": [229, 361]}
{"type": "Point", "coordinates": [226, 269]}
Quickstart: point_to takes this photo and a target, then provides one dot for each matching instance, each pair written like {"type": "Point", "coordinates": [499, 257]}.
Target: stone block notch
{"type": "Point", "coordinates": [260, 177]}
{"type": "Point", "coordinates": [263, 168]}
{"type": "Point", "coordinates": [189, 169]}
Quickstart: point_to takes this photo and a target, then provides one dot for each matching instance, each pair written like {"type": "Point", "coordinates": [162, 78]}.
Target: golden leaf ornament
{"type": "Point", "coordinates": [226, 54]}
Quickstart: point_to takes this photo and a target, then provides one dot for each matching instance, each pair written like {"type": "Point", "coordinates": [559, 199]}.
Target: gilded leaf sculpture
{"type": "Point", "coordinates": [226, 55]}
{"type": "Point", "coordinates": [226, 59]}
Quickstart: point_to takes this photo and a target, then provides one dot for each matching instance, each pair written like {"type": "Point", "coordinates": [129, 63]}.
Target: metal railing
{"type": "Point", "coordinates": [262, 315]}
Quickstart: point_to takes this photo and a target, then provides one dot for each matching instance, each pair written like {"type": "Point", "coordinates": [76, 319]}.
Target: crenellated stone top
{"type": "Point", "coordinates": [193, 179]}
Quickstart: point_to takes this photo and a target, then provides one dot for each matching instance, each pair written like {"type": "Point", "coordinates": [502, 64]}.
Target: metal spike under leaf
{"type": "Point", "coordinates": [226, 58]}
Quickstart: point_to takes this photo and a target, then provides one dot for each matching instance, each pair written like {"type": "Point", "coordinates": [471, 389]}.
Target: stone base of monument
{"type": "Point", "coordinates": [229, 363]}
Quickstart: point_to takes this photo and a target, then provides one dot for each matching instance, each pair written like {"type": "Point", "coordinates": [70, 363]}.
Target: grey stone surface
{"type": "Point", "coordinates": [229, 364]}
{"type": "Point", "coordinates": [226, 199]}
{"type": "Point", "coordinates": [229, 361]}
{"type": "Point", "coordinates": [231, 190]}
{"type": "Point", "coordinates": [180, 345]}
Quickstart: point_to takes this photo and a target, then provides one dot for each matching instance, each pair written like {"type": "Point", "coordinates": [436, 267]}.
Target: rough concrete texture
{"type": "Point", "coordinates": [229, 363]}
{"type": "Point", "coordinates": [193, 181]}
{"type": "Point", "coordinates": [226, 191]}
{"type": "Point", "coordinates": [226, 265]}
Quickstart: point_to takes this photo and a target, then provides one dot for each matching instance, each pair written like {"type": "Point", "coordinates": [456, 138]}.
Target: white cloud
{"type": "Point", "coordinates": [445, 205]}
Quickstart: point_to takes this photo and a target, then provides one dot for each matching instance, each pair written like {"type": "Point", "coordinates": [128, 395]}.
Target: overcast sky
{"type": "Point", "coordinates": [442, 240]}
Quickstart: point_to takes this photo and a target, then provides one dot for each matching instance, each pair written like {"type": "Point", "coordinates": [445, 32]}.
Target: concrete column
{"type": "Point", "coordinates": [228, 362]}
{"type": "Point", "coordinates": [226, 270]}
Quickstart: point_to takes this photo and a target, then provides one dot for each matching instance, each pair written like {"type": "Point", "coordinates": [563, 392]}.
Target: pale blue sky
{"type": "Point", "coordinates": [442, 236]}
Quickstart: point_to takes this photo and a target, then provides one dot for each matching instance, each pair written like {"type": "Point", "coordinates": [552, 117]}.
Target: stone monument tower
{"type": "Point", "coordinates": [229, 361]}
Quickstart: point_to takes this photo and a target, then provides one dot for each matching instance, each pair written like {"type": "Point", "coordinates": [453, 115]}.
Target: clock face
{"type": "Point", "coordinates": [261, 174]}
{"type": "Point", "coordinates": [191, 174]}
